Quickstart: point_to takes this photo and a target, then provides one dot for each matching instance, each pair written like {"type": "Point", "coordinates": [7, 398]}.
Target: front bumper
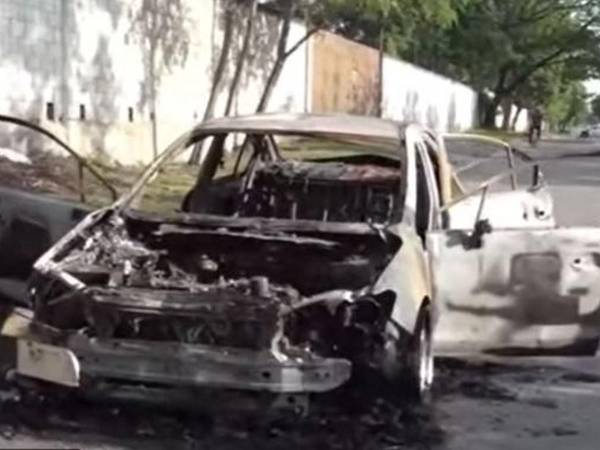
{"type": "Point", "coordinates": [178, 365]}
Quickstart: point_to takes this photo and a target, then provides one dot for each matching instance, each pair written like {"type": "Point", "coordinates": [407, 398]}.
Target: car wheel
{"type": "Point", "coordinates": [419, 370]}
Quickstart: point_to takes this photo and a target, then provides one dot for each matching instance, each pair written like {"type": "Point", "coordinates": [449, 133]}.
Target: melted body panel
{"type": "Point", "coordinates": [521, 290]}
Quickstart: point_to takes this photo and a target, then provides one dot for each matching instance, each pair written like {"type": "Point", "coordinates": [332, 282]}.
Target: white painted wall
{"type": "Point", "coordinates": [88, 52]}
{"type": "Point", "coordinates": [411, 93]}
{"type": "Point", "coordinates": [522, 124]}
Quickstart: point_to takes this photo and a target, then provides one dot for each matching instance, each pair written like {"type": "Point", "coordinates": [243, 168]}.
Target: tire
{"type": "Point", "coordinates": [418, 373]}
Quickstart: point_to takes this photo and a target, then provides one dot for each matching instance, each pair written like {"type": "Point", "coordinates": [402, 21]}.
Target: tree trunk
{"type": "Point", "coordinates": [217, 77]}
{"type": "Point", "coordinates": [280, 59]}
{"type": "Point", "coordinates": [506, 110]}
{"type": "Point", "coordinates": [515, 119]}
{"type": "Point", "coordinates": [242, 56]}
{"type": "Point", "coordinates": [489, 118]}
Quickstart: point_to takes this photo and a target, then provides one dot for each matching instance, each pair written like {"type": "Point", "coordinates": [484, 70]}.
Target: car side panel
{"type": "Point", "coordinates": [521, 290]}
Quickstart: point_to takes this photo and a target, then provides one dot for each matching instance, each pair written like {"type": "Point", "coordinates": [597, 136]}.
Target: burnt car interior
{"type": "Point", "coordinates": [350, 188]}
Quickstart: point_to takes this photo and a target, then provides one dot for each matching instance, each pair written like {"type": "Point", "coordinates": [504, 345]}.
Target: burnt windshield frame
{"type": "Point", "coordinates": [387, 149]}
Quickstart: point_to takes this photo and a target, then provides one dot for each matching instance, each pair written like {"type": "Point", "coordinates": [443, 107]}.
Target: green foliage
{"type": "Point", "coordinates": [498, 44]}
{"type": "Point", "coordinates": [567, 106]}
{"type": "Point", "coordinates": [527, 50]}
{"type": "Point", "coordinates": [595, 106]}
{"type": "Point", "coordinates": [363, 20]}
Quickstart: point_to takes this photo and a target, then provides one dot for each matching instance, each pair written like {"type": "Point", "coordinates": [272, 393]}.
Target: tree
{"type": "Point", "coordinates": [288, 9]}
{"type": "Point", "coordinates": [567, 106]}
{"type": "Point", "coordinates": [228, 14]}
{"type": "Point", "coordinates": [398, 27]}
{"type": "Point", "coordinates": [536, 92]}
{"type": "Point", "coordinates": [367, 21]}
{"type": "Point", "coordinates": [595, 106]}
{"type": "Point", "coordinates": [223, 58]}
{"type": "Point", "coordinates": [498, 45]}
{"type": "Point", "coordinates": [252, 8]}
{"type": "Point", "coordinates": [362, 20]}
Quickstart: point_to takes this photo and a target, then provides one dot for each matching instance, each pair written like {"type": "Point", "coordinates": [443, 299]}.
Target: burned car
{"type": "Point", "coordinates": [283, 276]}
{"type": "Point", "coordinates": [306, 249]}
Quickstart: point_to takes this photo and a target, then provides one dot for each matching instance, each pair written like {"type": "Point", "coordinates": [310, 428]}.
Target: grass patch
{"type": "Point", "coordinates": [165, 193]}
{"type": "Point", "coordinates": [503, 135]}
{"type": "Point", "coordinates": [58, 175]}
{"type": "Point", "coordinates": [314, 149]}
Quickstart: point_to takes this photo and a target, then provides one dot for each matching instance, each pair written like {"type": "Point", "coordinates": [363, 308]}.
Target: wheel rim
{"type": "Point", "coordinates": [425, 360]}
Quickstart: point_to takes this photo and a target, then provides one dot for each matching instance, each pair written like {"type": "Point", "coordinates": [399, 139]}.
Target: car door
{"type": "Point", "coordinates": [516, 290]}
{"type": "Point", "coordinates": [30, 223]}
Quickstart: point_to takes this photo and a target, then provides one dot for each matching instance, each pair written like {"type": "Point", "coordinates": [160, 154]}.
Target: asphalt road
{"type": "Point", "coordinates": [546, 404]}
{"type": "Point", "coordinates": [541, 403]}
{"type": "Point", "coordinates": [571, 168]}
{"type": "Point", "coordinates": [572, 171]}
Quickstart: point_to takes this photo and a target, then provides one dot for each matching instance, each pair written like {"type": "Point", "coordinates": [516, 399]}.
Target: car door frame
{"type": "Point", "coordinates": [509, 290]}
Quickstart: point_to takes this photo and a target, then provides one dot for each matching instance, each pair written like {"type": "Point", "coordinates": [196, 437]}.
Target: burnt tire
{"type": "Point", "coordinates": [418, 372]}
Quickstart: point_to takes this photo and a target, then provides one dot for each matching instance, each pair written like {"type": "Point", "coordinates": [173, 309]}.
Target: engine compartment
{"type": "Point", "coordinates": [218, 281]}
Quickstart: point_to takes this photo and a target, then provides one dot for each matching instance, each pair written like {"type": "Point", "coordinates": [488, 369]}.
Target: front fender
{"type": "Point", "coordinates": [407, 276]}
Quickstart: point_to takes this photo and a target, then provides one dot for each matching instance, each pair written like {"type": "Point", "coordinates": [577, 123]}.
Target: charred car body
{"type": "Point", "coordinates": [281, 277]}
{"type": "Point", "coordinates": [295, 269]}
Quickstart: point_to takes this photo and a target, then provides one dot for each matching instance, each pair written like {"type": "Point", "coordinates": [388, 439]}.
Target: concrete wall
{"type": "Point", "coordinates": [522, 123]}
{"type": "Point", "coordinates": [95, 55]}
{"type": "Point", "coordinates": [411, 93]}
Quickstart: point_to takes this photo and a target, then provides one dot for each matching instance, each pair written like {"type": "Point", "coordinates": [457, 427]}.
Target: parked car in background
{"type": "Point", "coordinates": [591, 131]}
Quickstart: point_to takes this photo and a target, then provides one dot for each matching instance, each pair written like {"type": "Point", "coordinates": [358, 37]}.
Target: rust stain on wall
{"type": "Point", "coordinates": [345, 75]}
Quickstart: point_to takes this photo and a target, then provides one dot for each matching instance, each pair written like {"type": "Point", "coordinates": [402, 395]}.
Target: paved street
{"type": "Point", "coordinates": [544, 403]}
{"type": "Point", "coordinates": [572, 170]}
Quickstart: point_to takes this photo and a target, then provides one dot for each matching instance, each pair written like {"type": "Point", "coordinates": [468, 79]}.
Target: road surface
{"type": "Point", "coordinates": [571, 168]}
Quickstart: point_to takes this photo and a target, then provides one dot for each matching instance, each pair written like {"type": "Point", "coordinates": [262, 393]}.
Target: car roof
{"type": "Point", "coordinates": [333, 125]}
